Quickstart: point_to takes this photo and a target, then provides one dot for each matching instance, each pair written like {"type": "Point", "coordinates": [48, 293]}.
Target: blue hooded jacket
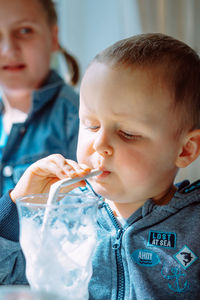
{"type": "Point", "coordinates": [153, 256]}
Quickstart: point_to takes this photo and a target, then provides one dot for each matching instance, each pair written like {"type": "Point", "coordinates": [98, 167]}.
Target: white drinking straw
{"type": "Point", "coordinates": [54, 190]}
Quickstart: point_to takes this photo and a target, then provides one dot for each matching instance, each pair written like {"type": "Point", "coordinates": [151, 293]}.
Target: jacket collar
{"type": "Point", "coordinates": [47, 92]}
{"type": "Point", "coordinates": [186, 195]}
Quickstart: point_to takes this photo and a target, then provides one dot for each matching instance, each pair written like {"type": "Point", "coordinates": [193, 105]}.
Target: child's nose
{"type": "Point", "coordinates": [102, 144]}
{"type": "Point", "coordinates": [7, 45]}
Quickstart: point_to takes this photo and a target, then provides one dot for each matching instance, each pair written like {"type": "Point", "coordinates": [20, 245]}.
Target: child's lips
{"type": "Point", "coordinates": [104, 174]}
{"type": "Point", "coordinates": [14, 67]}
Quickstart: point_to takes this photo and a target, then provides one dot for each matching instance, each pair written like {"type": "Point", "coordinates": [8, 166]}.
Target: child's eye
{"type": "Point", "coordinates": [24, 31]}
{"type": "Point", "coordinates": [89, 124]}
{"type": "Point", "coordinates": [92, 128]}
{"type": "Point", "coordinates": [129, 136]}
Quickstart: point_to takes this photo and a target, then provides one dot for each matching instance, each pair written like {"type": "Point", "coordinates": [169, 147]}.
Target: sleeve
{"type": "Point", "coordinates": [9, 222]}
{"type": "Point", "coordinates": [12, 261]}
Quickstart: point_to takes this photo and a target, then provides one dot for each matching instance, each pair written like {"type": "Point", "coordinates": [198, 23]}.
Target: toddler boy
{"type": "Point", "coordinates": [139, 123]}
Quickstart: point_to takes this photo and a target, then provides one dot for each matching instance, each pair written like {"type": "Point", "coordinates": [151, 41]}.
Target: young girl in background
{"type": "Point", "coordinates": [38, 110]}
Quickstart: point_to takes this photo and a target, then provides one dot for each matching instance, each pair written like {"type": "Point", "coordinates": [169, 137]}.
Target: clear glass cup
{"type": "Point", "coordinates": [58, 241]}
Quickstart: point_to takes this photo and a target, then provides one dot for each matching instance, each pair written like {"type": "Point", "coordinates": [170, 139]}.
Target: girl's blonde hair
{"type": "Point", "coordinates": [52, 18]}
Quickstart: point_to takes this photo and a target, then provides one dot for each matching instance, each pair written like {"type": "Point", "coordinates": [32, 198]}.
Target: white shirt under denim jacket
{"type": "Point", "coordinates": [51, 127]}
{"type": "Point", "coordinates": [153, 256]}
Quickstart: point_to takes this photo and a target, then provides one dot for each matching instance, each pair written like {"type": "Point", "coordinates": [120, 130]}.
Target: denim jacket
{"type": "Point", "coordinates": [51, 127]}
{"type": "Point", "coordinates": [154, 255]}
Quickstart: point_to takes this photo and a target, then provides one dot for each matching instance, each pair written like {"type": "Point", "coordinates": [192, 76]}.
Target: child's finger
{"type": "Point", "coordinates": [74, 169]}
{"type": "Point", "coordinates": [67, 189]}
{"type": "Point", "coordinates": [51, 165]}
{"type": "Point", "coordinates": [57, 165]}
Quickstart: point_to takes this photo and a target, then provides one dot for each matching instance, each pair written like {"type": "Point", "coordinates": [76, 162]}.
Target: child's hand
{"type": "Point", "coordinates": [39, 177]}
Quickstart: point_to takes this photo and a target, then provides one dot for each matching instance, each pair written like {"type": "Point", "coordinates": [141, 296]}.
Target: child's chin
{"type": "Point", "coordinates": [100, 190]}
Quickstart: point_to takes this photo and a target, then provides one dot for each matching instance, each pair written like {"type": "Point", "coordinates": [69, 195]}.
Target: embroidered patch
{"type": "Point", "coordinates": [162, 239]}
{"type": "Point", "coordinates": [146, 258]}
{"type": "Point", "coordinates": [185, 257]}
{"type": "Point", "coordinates": [176, 280]}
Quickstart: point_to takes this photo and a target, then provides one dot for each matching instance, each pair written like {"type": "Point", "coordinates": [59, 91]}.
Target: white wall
{"type": "Point", "coordinates": [88, 26]}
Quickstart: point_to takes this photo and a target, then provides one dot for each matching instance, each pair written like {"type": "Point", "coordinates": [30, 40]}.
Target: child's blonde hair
{"type": "Point", "coordinates": [50, 11]}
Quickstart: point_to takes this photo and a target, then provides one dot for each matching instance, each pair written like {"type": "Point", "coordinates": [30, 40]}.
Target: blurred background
{"type": "Point", "coordinates": [88, 26]}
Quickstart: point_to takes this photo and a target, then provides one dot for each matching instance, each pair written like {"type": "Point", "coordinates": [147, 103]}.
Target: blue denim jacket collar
{"type": "Point", "coordinates": [43, 95]}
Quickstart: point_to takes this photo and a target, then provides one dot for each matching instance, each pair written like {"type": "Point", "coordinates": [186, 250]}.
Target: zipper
{"type": "Point", "coordinates": [117, 248]}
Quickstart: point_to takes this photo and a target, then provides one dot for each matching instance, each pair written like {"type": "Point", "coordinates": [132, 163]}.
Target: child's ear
{"type": "Point", "coordinates": [55, 42]}
{"type": "Point", "coordinates": [190, 149]}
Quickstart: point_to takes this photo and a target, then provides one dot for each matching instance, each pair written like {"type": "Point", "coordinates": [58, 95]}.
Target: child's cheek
{"type": "Point", "coordinates": [83, 152]}
{"type": "Point", "coordinates": [135, 166]}
{"type": "Point", "coordinates": [80, 155]}
{"type": "Point", "coordinates": [85, 146]}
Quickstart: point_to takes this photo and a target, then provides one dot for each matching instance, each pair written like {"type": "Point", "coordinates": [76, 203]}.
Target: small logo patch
{"type": "Point", "coordinates": [146, 258]}
{"type": "Point", "coordinates": [162, 239]}
{"type": "Point", "coordinates": [185, 257]}
{"type": "Point", "coordinates": [176, 280]}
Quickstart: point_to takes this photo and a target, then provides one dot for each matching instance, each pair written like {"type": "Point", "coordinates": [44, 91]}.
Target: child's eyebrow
{"type": "Point", "coordinates": [25, 22]}
{"type": "Point", "coordinates": [122, 114]}
{"type": "Point", "coordinates": [129, 115]}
